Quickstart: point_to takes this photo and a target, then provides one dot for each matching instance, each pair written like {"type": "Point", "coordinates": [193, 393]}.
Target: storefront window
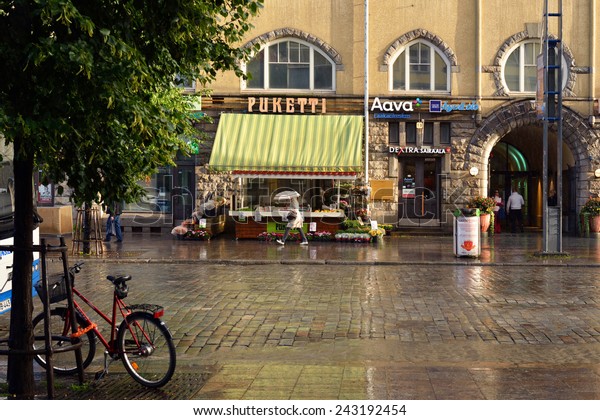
{"type": "Point", "coordinates": [428, 133]}
{"type": "Point", "coordinates": [444, 133]}
{"type": "Point", "coordinates": [420, 66]}
{"type": "Point", "coordinates": [411, 133]}
{"type": "Point", "coordinates": [290, 64]}
{"type": "Point", "coordinates": [394, 133]}
{"type": "Point", "coordinates": [158, 194]}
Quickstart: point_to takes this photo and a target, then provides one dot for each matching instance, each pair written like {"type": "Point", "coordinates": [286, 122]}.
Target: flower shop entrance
{"type": "Point", "coordinates": [419, 191]}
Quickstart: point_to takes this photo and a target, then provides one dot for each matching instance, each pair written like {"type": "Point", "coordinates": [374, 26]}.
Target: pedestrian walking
{"type": "Point", "coordinates": [514, 209]}
{"type": "Point", "coordinates": [295, 219]}
{"type": "Point", "coordinates": [113, 223]}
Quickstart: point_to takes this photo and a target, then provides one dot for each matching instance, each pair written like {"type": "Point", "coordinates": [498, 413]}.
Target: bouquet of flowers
{"type": "Point", "coordinates": [362, 213]}
{"type": "Point", "coordinates": [379, 232]}
{"type": "Point", "coordinates": [484, 204]}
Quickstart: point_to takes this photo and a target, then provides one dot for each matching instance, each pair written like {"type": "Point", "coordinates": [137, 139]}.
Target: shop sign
{"type": "Point", "coordinates": [287, 105]}
{"type": "Point", "coordinates": [419, 150]}
{"type": "Point", "coordinates": [394, 109]}
{"type": "Point", "coordinates": [279, 227]}
{"type": "Point", "coordinates": [402, 109]}
{"type": "Point", "coordinates": [436, 105]}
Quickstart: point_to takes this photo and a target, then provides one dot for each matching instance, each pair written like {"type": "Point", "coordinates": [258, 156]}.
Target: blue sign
{"type": "Point", "coordinates": [435, 105]}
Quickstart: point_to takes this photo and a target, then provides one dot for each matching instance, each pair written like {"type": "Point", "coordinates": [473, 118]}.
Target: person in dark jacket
{"type": "Point", "coordinates": [113, 223]}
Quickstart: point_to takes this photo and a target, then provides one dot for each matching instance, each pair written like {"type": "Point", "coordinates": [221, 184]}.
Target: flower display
{"type": "Point", "coordinates": [201, 234]}
{"type": "Point", "coordinates": [377, 232]}
{"type": "Point", "coordinates": [484, 204]}
{"type": "Point", "coordinates": [592, 207]}
{"type": "Point", "coordinates": [353, 237]}
{"type": "Point", "coordinates": [322, 236]}
{"type": "Point", "coordinates": [363, 236]}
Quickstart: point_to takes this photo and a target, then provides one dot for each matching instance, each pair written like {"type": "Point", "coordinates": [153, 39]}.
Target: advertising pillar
{"type": "Point", "coordinates": [467, 233]}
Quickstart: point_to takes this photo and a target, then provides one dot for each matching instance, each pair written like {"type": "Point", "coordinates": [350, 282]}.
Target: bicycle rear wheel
{"type": "Point", "coordinates": [146, 349]}
{"type": "Point", "coordinates": [60, 325]}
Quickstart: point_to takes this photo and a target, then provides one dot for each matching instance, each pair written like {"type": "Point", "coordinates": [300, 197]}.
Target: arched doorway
{"type": "Point", "coordinates": [516, 162]}
{"type": "Point", "coordinates": [517, 125]}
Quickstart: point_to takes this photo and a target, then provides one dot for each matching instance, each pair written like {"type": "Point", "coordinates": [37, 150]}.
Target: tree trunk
{"type": "Point", "coordinates": [20, 368]}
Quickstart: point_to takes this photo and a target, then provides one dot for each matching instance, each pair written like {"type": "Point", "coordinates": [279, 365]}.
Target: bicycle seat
{"type": "Point", "coordinates": [118, 280]}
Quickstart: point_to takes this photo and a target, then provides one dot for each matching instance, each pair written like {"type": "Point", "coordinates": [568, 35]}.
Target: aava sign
{"type": "Point", "coordinates": [391, 106]}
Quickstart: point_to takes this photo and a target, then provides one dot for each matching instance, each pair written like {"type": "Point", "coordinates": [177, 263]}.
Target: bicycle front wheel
{"type": "Point", "coordinates": [146, 349]}
{"type": "Point", "coordinates": [60, 326]}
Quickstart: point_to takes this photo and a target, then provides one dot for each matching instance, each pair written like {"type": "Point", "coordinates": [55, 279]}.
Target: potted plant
{"type": "Point", "coordinates": [486, 208]}
{"type": "Point", "coordinates": [590, 215]}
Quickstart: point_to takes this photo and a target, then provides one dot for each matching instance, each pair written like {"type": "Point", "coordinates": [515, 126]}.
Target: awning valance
{"type": "Point", "coordinates": [255, 144]}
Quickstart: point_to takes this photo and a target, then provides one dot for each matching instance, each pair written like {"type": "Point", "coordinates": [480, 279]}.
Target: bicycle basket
{"type": "Point", "coordinates": [57, 288]}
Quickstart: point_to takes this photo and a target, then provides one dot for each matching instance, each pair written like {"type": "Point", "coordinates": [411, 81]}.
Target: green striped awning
{"type": "Point", "coordinates": [263, 144]}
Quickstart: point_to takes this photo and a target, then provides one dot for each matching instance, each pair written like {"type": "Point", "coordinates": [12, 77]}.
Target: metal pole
{"type": "Point", "coordinates": [366, 100]}
{"type": "Point", "coordinates": [545, 227]}
{"type": "Point", "coordinates": [559, 140]}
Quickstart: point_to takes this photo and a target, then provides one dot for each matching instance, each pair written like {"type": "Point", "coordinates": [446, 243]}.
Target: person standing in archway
{"type": "Point", "coordinates": [498, 211]}
{"type": "Point", "coordinates": [514, 210]}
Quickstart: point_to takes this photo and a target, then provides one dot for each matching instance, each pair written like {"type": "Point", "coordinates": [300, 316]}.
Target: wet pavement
{"type": "Point", "coordinates": [402, 319]}
{"type": "Point", "coordinates": [500, 249]}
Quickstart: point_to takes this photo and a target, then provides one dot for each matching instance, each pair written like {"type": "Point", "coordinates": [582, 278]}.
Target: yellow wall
{"type": "Point", "coordinates": [340, 23]}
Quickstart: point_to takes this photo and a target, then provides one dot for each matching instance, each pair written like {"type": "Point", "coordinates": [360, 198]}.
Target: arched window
{"type": "Point", "coordinates": [290, 64]}
{"type": "Point", "coordinates": [519, 70]}
{"type": "Point", "coordinates": [420, 66]}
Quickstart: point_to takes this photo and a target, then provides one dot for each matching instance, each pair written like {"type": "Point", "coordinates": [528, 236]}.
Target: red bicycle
{"type": "Point", "coordinates": [142, 341]}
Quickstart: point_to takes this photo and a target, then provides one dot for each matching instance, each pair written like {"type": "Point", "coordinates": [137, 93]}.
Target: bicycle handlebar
{"type": "Point", "coordinates": [120, 282]}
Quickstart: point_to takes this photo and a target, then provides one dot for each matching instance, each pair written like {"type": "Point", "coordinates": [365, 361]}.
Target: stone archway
{"type": "Point", "coordinates": [581, 140]}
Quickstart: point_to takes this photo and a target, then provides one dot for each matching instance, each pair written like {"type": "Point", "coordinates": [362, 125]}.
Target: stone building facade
{"type": "Point", "coordinates": [451, 99]}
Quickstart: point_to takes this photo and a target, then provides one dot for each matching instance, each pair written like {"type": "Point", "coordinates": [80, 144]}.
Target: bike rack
{"type": "Point", "coordinates": [48, 349]}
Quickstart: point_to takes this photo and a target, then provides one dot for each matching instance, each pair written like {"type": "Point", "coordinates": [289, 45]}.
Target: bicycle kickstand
{"type": "Point", "coordinates": [101, 374]}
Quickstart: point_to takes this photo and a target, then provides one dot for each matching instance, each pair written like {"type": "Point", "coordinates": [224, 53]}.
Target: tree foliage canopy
{"type": "Point", "coordinates": [88, 92]}
{"type": "Point", "coordinates": [91, 86]}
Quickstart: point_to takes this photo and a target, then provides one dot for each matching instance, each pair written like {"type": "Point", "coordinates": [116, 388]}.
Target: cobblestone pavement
{"type": "Point", "coordinates": [357, 331]}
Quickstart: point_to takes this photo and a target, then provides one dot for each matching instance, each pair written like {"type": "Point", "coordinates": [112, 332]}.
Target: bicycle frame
{"type": "Point", "coordinates": [140, 339]}
{"type": "Point", "coordinates": [117, 304]}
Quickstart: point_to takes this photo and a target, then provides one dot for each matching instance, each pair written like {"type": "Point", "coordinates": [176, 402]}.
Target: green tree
{"type": "Point", "coordinates": [88, 93]}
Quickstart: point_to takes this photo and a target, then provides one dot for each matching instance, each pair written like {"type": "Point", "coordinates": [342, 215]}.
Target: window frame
{"type": "Point", "coordinates": [184, 84]}
{"type": "Point", "coordinates": [432, 63]}
{"type": "Point", "coordinates": [521, 47]}
{"type": "Point", "coordinates": [266, 64]}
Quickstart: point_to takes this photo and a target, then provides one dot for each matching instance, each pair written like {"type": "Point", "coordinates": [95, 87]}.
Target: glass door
{"type": "Point", "coordinates": [419, 191]}
{"type": "Point", "coordinates": [183, 193]}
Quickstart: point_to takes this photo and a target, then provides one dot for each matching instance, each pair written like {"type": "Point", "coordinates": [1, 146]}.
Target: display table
{"type": "Point", "coordinates": [250, 224]}
{"type": "Point", "coordinates": [214, 225]}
